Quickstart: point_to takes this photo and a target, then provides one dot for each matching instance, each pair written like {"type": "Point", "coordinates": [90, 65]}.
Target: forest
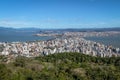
{"type": "Point", "coordinates": [60, 66]}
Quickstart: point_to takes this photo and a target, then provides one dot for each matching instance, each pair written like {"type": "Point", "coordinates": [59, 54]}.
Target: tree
{"type": "Point", "coordinates": [4, 72]}
{"type": "Point", "coordinates": [20, 61]}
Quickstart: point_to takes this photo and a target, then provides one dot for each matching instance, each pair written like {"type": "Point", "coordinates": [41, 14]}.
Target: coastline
{"type": "Point", "coordinates": [62, 44]}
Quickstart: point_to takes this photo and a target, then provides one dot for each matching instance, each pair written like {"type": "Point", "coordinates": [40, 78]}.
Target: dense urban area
{"type": "Point", "coordinates": [66, 57]}
{"type": "Point", "coordinates": [68, 42]}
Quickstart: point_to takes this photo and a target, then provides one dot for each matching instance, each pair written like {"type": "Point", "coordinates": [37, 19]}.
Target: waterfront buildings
{"type": "Point", "coordinates": [69, 42]}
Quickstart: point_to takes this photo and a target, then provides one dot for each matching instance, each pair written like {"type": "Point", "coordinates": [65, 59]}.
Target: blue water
{"type": "Point", "coordinates": [107, 40]}
{"type": "Point", "coordinates": [13, 36]}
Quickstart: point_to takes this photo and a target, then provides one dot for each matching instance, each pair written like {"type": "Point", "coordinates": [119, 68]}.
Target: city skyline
{"type": "Point", "coordinates": [52, 14]}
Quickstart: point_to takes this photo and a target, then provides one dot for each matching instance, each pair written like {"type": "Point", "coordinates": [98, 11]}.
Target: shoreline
{"type": "Point", "coordinates": [69, 42]}
{"type": "Point", "coordinates": [47, 47]}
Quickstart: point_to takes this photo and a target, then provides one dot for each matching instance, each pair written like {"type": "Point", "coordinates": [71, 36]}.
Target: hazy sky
{"type": "Point", "coordinates": [60, 13]}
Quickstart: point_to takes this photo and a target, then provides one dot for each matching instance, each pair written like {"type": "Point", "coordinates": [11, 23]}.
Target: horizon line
{"type": "Point", "coordinates": [58, 28]}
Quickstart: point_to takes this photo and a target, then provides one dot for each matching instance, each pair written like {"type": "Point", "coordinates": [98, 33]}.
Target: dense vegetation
{"type": "Point", "coordinates": [61, 66]}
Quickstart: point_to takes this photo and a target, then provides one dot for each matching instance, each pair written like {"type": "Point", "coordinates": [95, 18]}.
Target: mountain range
{"type": "Point", "coordinates": [68, 29]}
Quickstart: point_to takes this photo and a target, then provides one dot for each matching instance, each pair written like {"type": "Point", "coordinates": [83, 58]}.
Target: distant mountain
{"type": "Point", "coordinates": [61, 30]}
{"type": "Point", "coordinates": [91, 29]}
{"type": "Point", "coordinates": [109, 29]}
{"type": "Point", "coordinates": [28, 29]}
{"type": "Point", "coordinates": [18, 29]}
{"type": "Point", "coordinates": [4, 29]}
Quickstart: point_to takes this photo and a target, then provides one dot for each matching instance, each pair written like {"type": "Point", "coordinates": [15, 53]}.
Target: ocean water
{"type": "Point", "coordinates": [21, 36]}
{"type": "Point", "coordinates": [107, 40]}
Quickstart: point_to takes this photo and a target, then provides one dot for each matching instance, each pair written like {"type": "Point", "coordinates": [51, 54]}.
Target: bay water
{"type": "Point", "coordinates": [113, 40]}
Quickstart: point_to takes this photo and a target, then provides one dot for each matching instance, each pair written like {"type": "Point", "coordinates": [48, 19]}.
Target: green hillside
{"type": "Point", "coordinates": [61, 66]}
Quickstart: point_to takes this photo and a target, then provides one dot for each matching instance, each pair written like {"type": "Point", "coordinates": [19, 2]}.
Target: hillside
{"type": "Point", "coordinates": [61, 66]}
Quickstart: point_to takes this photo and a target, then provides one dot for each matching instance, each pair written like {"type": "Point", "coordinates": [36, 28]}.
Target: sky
{"type": "Point", "coordinates": [53, 14]}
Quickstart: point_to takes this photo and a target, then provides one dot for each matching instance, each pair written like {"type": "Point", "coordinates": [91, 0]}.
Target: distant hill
{"type": "Point", "coordinates": [91, 29]}
{"type": "Point", "coordinates": [62, 30]}
{"type": "Point", "coordinates": [5, 28]}
{"type": "Point", "coordinates": [18, 29]}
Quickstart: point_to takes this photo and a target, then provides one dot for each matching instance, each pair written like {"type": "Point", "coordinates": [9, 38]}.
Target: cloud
{"type": "Point", "coordinates": [17, 24]}
{"type": "Point", "coordinates": [54, 23]}
{"type": "Point", "coordinates": [45, 23]}
{"type": "Point", "coordinates": [49, 20]}
{"type": "Point", "coordinates": [49, 24]}
{"type": "Point", "coordinates": [90, 25]}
